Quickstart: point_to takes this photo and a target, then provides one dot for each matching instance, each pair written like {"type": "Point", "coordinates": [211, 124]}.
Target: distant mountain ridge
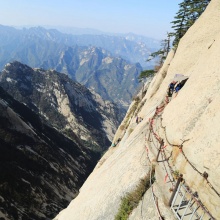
{"type": "Point", "coordinates": [132, 47]}
{"type": "Point", "coordinates": [92, 31]}
{"type": "Point", "coordinates": [112, 77]}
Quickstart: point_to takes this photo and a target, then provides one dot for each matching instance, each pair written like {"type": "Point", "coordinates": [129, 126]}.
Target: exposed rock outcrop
{"type": "Point", "coordinates": [189, 123]}
{"type": "Point", "coordinates": [67, 105]}
{"type": "Point", "coordinates": [41, 169]}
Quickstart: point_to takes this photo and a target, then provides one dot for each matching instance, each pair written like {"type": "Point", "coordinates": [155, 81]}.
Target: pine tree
{"type": "Point", "coordinates": [180, 24]}
{"type": "Point", "coordinates": [189, 12]}
{"type": "Point", "coordinates": [162, 52]}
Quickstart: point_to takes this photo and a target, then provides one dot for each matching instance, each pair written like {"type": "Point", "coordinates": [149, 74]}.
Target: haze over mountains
{"type": "Point", "coordinates": [132, 47]}
{"type": "Point", "coordinates": [108, 65]}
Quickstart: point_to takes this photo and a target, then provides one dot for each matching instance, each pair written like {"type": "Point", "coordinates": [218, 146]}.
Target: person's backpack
{"type": "Point", "coordinates": [171, 86]}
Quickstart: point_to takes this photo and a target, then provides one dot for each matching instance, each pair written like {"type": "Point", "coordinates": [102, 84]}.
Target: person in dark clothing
{"type": "Point", "coordinates": [180, 85]}
{"type": "Point", "coordinates": [171, 89]}
{"type": "Point", "coordinates": [115, 144]}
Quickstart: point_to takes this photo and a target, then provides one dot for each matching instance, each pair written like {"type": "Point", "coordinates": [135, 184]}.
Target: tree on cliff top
{"type": "Point", "coordinates": [189, 12]}
{"type": "Point", "coordinates": [161, 54]}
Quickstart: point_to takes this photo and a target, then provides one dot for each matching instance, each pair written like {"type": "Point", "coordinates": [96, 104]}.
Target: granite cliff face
{"type": "Point", "coordinates": [65, 104]}
{"type": "Point", "coordinates": [41, 169]}
{"type": "Point", "coordinates": [188, 125]}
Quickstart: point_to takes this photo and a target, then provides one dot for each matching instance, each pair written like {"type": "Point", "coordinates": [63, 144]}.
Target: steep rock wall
{"type": "Point", "coordinates": [190, 119]}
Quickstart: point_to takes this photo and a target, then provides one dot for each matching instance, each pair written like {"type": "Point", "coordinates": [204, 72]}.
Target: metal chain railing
{"type": "Point", "coordinates": [152, 134]}
{"type": "Point", "coordinates": [204, 175]}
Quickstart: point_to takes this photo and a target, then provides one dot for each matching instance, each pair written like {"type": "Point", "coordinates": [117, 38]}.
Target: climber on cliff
{"type": "Point", "coordinates": [180, 86]}
{"type": "Point", "coordinates": [119, 139]}
{"type": "Point", "coordinates": [115, 144]}
{"type": "Point", "coordinates": [137, 120]}
{"type": "Point", "coordinates": [171, 89]}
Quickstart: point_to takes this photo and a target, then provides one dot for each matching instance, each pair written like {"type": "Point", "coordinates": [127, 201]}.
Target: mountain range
{"type": "Point", "coordinates": [132, 47]}
{"type": "Point", "coordinates": [53, 130]}
{"type": "Point", "coordinates": [112, 77]}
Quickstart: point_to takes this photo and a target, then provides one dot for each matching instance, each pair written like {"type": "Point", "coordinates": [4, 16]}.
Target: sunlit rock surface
{"type": "Point", "coordinates": [191, 118]}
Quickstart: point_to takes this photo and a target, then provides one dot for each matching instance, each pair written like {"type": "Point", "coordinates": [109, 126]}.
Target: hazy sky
{"type": "Point", "coordinates": [144, 17]}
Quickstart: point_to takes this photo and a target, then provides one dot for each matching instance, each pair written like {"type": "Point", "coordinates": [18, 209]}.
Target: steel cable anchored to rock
{"type": "Point", "coordinates": [165, 159]}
